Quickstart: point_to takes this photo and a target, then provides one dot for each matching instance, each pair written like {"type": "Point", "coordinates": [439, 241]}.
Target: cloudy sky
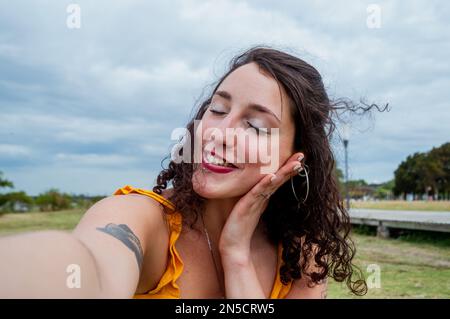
{"type": "Point", "coordinates": [90, 109]}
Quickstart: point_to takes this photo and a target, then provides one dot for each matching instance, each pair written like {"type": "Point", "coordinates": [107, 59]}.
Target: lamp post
{"type": "Point", "coordinates": [345, 135]}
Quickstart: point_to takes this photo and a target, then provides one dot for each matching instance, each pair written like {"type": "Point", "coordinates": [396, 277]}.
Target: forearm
{"type": "Point", "coordinates": [50, 264]}
{"type": "Point", "coordinates": [241, 280]}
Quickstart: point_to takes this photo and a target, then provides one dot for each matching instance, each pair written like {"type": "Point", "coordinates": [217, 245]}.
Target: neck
{"type": "Point", "coordinates": [216, 212]}
{"type": "Point", "coordinates": [215, 215]}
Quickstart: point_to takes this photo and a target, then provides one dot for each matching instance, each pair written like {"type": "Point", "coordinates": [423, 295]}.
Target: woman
{"type": "Point", "coordinates": [229, 227]}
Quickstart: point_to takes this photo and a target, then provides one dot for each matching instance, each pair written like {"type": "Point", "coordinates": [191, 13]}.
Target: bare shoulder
{"type": "Point", "coordinates": [130, 208]}
{"type": "Point", "coordinates": [143, 215]}
{"type": "Point", "coordinates": [125, 234]}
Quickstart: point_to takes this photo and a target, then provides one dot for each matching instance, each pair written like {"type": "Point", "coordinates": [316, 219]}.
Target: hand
{"type": "Point", "coordinates": [241, 223]}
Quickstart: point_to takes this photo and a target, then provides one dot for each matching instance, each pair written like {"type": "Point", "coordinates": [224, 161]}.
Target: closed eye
{"type": "Point", "coordinates": [258, 129]}
{"type": "Point", "coordinates": [217, 112]}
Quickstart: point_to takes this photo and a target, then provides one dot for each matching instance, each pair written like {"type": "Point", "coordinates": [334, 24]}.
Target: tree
{"type": "Point", "coordinates": [85, 201]}
{"type": "Point", "coordinates": [358, 188]}
{"type": "Point", "coordinates": [440, 159]}
{"type": "Point", "coordinates": [423, 172]}
{"type": "Point", "coordinates": [407, 175]}
{"type": "Point", "coordinates": [5, 183]}
{"type": "Point", "coordinates": [384, 191]}
{"type": "Point", "coordinates": [15, 201]}
{"type": "Point", "coordinates": [53, 200]}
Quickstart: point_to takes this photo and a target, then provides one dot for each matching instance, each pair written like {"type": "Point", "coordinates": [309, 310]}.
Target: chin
{"type": "Point", "coordinates": [211, 186]}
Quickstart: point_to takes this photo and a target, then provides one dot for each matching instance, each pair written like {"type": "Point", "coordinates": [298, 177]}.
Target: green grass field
{"type": "Point", "coordinates": [403, 205]}
{"type": "Point", "coordinates": [408, 268]}
{"type": "Point", "coordinates": [412, 267]}
{"type": "Point", "coordinates": [23, 222]}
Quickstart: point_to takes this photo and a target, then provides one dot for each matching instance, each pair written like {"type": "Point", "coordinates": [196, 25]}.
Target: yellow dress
{"type": "Point", "coordinates": [167, 287]}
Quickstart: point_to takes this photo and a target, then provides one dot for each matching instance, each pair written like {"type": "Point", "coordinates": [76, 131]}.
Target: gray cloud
{"type": "Point", "coordinates": [99, 103]}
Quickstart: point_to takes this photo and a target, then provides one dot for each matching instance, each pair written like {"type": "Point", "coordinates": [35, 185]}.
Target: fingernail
{"type": "Point", "coordinates": [297, 167]}
{"type": "Point", "coordinates": [301, 157]}
{"type": "Point", "coordinates": [273, 178]}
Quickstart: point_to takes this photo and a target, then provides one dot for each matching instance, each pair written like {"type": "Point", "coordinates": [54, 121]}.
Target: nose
{"type": "Point", "coordinates": [221, 135]}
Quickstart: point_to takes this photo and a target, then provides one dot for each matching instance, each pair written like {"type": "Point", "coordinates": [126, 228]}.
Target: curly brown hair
{"type": "Point", "coordinates": [322, 221]}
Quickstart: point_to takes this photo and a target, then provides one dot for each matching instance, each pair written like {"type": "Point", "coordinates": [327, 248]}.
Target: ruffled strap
{"type": "Point", "coordinates": [127, 189]}
{"type": "Point", "coordinates": [167, 286]}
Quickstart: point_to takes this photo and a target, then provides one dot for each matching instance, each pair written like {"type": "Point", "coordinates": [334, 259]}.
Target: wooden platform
{"type": "Point", "coordinates": [401, 219]}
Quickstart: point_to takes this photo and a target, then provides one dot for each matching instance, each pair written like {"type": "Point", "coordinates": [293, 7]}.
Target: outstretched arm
{"type": "Point", "coordinates": [43, 264]}
{"type": "Point", "coordinates": [101, 258]}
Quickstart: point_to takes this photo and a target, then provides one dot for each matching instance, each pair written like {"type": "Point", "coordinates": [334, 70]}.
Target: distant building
{"type": "Point", "coordinates": [20, 207]}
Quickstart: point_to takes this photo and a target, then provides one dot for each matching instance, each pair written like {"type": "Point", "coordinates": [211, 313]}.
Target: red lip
{"type": "Point", "coordinates": [216, 168]}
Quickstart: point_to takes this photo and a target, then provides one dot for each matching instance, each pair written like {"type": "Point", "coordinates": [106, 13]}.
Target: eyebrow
{"type": "Point", "coordinates": [257, 107]}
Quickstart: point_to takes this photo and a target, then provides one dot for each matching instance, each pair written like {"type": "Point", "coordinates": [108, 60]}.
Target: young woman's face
{"type": "Point", "coordinates": [233, 111]}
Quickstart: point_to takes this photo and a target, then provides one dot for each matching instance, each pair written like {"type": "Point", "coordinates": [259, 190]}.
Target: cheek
{"type": "Point", "coordinates": [253, 145]}
{"type": "Point", "coordinates": [247, 150]}
{"type": "Point", "coordinates": [203, 132]}
{"type": "Point", "coordinates": [275, 153]}
{"type": "Point", "coordinates": [256, 148]}
{"type": "Point", "coordinates": [269, 149]}
{"type": "Point", "coordinates": [285, 146]}
{"type": "Point", "coordinates": [207, 130]}
{"type": "Point", "coordinates": [210, 186]}
{"type": "Point", "coordinates": [286, 149]}
{"type": "Point", "coordinates": [201, 127]}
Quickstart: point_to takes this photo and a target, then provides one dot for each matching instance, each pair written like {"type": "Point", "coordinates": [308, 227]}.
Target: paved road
{"type": "Point", "coordinates": [409, 219]}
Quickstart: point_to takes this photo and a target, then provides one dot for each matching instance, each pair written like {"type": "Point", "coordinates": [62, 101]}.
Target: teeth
{"type": "Point", "coordinates": [216, 161]}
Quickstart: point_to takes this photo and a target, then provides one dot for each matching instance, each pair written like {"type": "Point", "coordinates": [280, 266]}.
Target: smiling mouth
{"type": "Point", "coordinates": [217, 161]}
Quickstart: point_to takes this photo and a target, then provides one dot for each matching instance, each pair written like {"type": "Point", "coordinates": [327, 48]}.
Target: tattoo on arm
{"type": "Point", "coordinates": [123, 233]}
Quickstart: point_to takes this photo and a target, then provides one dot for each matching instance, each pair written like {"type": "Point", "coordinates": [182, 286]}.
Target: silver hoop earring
{"type": "Point", "coordinates": [306, 169]}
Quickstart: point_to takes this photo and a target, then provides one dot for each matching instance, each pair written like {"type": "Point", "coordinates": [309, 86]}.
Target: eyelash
{"type": "Point", "coordinates": [258, 130]}
{"type": "Point", "coordinates": [216, 112]}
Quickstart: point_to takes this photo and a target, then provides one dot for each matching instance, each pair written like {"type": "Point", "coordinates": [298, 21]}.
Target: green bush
{"type": "Point", "coordinates": [84, 201]}
{"type": "Point", "coordinates": [15, 201]}
{"type": "Point", "coordinates": [53, 200]}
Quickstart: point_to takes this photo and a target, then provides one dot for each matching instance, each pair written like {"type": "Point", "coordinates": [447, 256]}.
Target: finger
{"type": "Point", "coordinates": [270, 183]}
{"type": "Point", "coordinates": [290, 168]}
{"type": "Point", "coordinates": [262, 188]}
